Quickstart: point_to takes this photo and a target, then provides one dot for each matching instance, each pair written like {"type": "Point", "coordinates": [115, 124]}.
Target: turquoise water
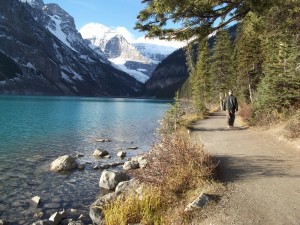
{"type": "Point", "coordinates": [36, 130]}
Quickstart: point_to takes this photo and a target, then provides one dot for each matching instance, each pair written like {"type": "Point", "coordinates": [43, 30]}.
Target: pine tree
{"type": "Point", "coordinates": [221, 72]}
{"type": "Point", "coordinates": [196, 18]}
{"type": "Point", "coordinates": [248, 57]}
{"type": "Point", "coordinates": [280, 88]}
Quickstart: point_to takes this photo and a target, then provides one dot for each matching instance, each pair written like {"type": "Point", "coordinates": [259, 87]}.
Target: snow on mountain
{"type": "Point", "coordinates": [124, 55]}
{"type": "Point", "coordinates": [154, 51]}
{"type": "Point", "coordinates": [47, 55]}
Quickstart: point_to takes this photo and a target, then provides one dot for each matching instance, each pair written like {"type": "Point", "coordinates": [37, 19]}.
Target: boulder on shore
{"type": "Point", "coordinates": [64, 163]}
{"type": "Point", "coordinates": [100, 153]}
{"type": "Point", "coordinates": [110, 179]}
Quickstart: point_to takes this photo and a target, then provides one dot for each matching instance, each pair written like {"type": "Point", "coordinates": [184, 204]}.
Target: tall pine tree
{"type": "Point", "coordinates": [221, 72]}
{"type": "Point", "coordinates": [248, 57]}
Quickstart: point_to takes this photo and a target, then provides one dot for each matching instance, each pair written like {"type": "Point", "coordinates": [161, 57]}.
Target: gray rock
{"type": "Point", "coordinates": [129, 165]}
{"type": "Point", "coordinates": [76, 223]}
{"type": "Point", "coordinates": [96, 212]}
{"type": "Point", "coordinates": [126, 187]}
{"type": "Point", "coordinates": [36, 199]}
{"type": "Point", "coordinates": [55, 218]}
{"type": "Point", "coordinates": [64, 163]}
{"type": "Point", "coordinates": [103, 140]}
{"type": "Point", "coordinates": [81, 166]}
{"type": "Point", "coordinates": [133, 148]}
{"type": "Point", "coordinates": [38, 215]}
{"type": "Point", "coordinates": [100, 153]}
{"type": "Point", "coordinates": [3, 222]}
{"type": "Point", "coordinates": [121, 154]}
{"type": "Point", "coordinates": [40, 222]}
{"type": "Point", "coordinates": [198, 203]}
{"type": "Point", "coordinates": [110, 179]}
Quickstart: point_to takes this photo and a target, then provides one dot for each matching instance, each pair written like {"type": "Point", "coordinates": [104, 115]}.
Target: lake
{"type": "Point", "coordinates": [36, 130]}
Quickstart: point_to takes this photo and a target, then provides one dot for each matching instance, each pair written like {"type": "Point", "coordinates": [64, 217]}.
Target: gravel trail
{"type": "Point", "coordinates": [261, 174]}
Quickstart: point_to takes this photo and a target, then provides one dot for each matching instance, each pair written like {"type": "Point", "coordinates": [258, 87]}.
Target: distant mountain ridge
{"type": "Point", "coordinates": [42, 41]}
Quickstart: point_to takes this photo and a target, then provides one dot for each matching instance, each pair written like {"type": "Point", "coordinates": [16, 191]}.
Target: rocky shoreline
{"type": "Point", "coordinates": [114, 182]}
{"type": "Point", "coordinates": [69, 163]}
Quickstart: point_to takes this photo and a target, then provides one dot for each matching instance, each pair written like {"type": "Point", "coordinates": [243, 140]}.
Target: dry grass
{"type": "Point", "coordinates": [147, 209]}
{"type": "Point", "coordinates": [245, 111]}
{"type": "Point", "coordinates": [176, 164]}
{"type": "Point", "coordinates": [176, 173]}
{"type": "Point", "coordinates": [292, 127]}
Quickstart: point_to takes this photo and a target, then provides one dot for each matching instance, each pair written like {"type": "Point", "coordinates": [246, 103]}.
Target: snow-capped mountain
{"type": "Point", "coordinates": [124, 55]}
{"type": "Point", "coordinates": [137, 59]}
{"type": "Point", "coordinates": [51, 56]}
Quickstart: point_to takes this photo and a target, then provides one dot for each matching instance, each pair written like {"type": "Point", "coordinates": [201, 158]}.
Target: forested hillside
{"type": "Point", "coordinates": [261, 65]}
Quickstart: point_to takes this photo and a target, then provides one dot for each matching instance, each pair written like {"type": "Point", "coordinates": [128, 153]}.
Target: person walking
{"type": "Point", "coordinates": [230, 105]}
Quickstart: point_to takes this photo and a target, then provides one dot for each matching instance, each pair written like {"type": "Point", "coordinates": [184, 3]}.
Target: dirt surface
{"type": "Point", "coordinates": [260, 172]}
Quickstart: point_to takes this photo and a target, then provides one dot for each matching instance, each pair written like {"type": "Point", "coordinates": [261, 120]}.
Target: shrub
{"type": "Point", "coordinates": [293, 126]}
{"type": "Point", "coordinates": [176, 165]}
{"type": "Point", "coordinates": [245, 111]}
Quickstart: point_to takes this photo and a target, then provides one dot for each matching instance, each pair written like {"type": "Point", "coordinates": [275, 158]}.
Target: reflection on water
{"type": "Point", "coordinates": [36, 130]}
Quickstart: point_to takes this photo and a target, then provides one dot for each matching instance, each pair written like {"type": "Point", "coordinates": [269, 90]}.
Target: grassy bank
{"type": "Point", "coordinates": [177, 172]}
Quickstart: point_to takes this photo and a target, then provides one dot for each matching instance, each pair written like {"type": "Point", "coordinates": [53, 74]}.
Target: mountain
{"type": "Point", "coordinates": [44, 54]}
{"type": "Point", "coordinates": [137, 59]}
{"type": "Point", "coordinates": [168, 76]}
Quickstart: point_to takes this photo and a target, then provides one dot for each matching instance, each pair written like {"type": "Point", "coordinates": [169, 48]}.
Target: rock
{"type": "Point", "coordinates": [133, 148]}
{"type": "Point", "coordinates": [198, 203]}
{"type": "Point", "coordinates": [121, 154]}
{"type": "Point", "coordinates": [36, 199]}
{"type": "Point", "coordinates": [65, 221]}
{"type": "Point", "coordinates": [100, 153]}
{"type": "Point", "coordinates": [78, 155]}
{"type": "Point", "coordinates": [96, 167]}
{"type": "Point", "coordinates": [117, 164]}
{"type": "Point", "coordinates": [129, 165]}
{"type": "Point", "coordinates": [3, 222]}
{"type": "Point", "coordinates": [64, 163]}
{"type": "Point", "coordinates": [96, 213]}
{"type": "Point", "coordinates": [40, 222]}
{"type": "Point", "coordinates": [127, 186]}
{"type": "Point", "coordinates": [55, 219]}
{"type": "Point", "coordinates": [81, 166]}
{"type": "Point", "coordinates": [38, 215]}
{"type": "Point", "coordinates": [83, 217]}
{"type": "Point", "coordinates": [105, 166]}
{"type": "Point", "coordinates": [76, 223]}
{"type": "Point", "coordinates": [107, 156]}
{"type": "Point", "coordinates": [110, 179]}
{"type": "Point", "coordinates": [103, 140]}
{"type": "Point", "coordinates": [142, 160]}
{"type": "Point", "coordinates": [63, 214]}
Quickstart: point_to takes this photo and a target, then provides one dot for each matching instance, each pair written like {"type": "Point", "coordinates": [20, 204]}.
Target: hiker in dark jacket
{"type": "Point", "coordinates": [230, 105]}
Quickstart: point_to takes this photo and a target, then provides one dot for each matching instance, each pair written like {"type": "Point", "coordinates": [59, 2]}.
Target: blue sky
{"type": "Point", "coordinates": [111, 13]}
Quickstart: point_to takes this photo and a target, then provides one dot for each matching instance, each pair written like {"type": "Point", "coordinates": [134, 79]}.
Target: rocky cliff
{"type": "Point", "coordinates": [51, 57]}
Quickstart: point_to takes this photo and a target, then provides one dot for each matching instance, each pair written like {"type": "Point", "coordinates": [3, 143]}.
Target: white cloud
{"type": "Point", "coordinates": [126, 34]}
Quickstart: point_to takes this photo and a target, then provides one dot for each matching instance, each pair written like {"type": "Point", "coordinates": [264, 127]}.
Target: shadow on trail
{"type": "Point", "coordinates": [241, 167]}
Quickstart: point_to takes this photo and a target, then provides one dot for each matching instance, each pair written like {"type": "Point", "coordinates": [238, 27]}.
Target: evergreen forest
{"type": "Point", "coordinates": [260, 63]}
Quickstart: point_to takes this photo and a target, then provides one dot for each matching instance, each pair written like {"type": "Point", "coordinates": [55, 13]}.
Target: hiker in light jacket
{"type": "Point", "coordinates": [230, 105]}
